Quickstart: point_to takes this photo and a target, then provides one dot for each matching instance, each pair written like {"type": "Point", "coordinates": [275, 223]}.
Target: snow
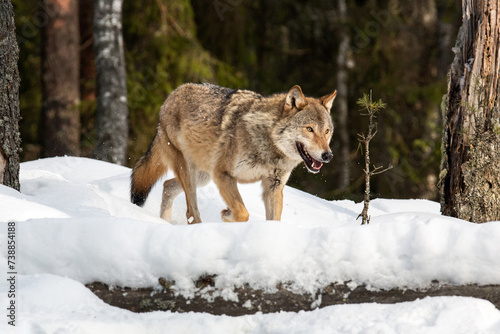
{"type": "Point", "coordinates": [75, 225]}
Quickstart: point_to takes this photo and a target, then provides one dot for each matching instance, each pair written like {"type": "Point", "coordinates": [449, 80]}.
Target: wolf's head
{"type": "Point", "coordinates": [305, 129]}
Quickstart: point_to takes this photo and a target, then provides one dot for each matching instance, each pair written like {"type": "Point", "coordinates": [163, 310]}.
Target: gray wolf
{"type": "Point", "coordinates": [230, 135]}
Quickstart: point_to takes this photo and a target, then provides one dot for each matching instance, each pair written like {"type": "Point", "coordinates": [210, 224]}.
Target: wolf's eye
{"type": "Point", "coordinates": [327, 131]}
{"type": "Point", "coordinates": [309, 129]}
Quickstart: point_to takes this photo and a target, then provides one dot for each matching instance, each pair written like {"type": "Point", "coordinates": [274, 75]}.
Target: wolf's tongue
{"type": "Point", "coordinates": [316, 164]}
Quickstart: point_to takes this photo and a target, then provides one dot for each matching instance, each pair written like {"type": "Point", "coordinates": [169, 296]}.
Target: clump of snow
{"type": "Point", "coordinates": [74, 220]}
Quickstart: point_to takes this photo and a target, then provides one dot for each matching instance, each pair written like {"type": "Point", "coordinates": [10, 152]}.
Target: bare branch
{"type": "Point", "coordinates": [376, 171]}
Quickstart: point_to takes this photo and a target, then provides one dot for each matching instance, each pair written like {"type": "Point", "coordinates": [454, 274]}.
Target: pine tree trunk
{"type": "Point", "coordinates": [87, 75]}
{"type": "Point", "coordinates": [112, 110]}
{"type": "Point", "coordinates": [10, 139]}
{"type": "Point", "coordinates": [470, 172]}
{"type": "Point", "coordinates": [61, 90]}
{"type": "Point", "coordinates": [87, 57]}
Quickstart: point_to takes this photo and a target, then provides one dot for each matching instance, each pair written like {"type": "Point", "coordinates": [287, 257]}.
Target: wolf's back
{"type": "Point", "coordinates": [198, 113]}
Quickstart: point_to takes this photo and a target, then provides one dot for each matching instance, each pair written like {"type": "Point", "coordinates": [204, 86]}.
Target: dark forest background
{"type": "Point", "coordinates": [399, 50]}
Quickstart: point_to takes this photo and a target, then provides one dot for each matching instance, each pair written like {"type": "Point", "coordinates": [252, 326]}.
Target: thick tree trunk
{"type": "Point", "coordinates": [342, 107]}
{"type": "Point", "coordinates": [61, 90]}
{"type": "Point", "coordinates": [470, 172]}
{"type": "Point", "coordinates": [112, 110]}
{"type": "Point", "coordinates": [10, 139]}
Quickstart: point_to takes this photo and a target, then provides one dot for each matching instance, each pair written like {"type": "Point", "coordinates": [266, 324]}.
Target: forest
{"type": "Point", "coordinates": [400, 51]}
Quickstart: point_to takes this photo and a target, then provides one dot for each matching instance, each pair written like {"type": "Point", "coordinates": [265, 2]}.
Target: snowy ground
{"type": "Point", "coordinates": [75, 225]}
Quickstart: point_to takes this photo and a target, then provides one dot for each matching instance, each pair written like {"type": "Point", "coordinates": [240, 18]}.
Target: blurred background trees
{"type": "Point", "coordinates": [401, 50]}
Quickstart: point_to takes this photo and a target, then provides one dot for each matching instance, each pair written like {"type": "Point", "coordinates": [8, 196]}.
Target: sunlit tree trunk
{"type": "Point", "coordinates": [112, 110]}
{"type": "Point", "coordinates": [61, 90]}
{"type": "Point", "coordinates": [470, 172]}
{"type": "Point", "coordinates": [10, 139]}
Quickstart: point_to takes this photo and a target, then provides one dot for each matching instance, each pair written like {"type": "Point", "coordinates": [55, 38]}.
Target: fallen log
{"type": "Point", "coordinates": [250, 301]}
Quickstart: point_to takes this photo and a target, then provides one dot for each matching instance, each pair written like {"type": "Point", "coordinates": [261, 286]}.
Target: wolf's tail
{"type": "Point", "coordinates": [147, 170]}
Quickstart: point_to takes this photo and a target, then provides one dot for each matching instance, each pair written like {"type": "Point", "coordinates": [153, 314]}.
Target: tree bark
{"type": "Point", "coordinates": [342, 107]}
{"type": "Point", "coordinates": [112, 110]}
{"type": "Point", "coordinates": [470, 171]}
{"type": "Point", "coordinates": [10, 138]}
{"type": "Point", "coordinates": [60, 84]}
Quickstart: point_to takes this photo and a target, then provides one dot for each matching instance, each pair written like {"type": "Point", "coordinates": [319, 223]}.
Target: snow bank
{"type": "Point", "coordinates": [395, 250]}
{"type": "Point", "coordinates": [74, 220]}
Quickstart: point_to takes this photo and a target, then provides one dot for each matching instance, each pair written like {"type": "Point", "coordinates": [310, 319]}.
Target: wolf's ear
{"type": "Point", "coordinates": [295, 98]}
{"type": "Point", "coordinates": [327, 100]}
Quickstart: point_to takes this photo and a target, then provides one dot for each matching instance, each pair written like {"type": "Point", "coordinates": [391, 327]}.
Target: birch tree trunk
{"type": "Point", "coordinates": [112, 110]}
{"type": "Point", "coordinates": [61, 89]}
{"type": "Point", "coordinates": [10, 139]}
{"type": "Point", "coordinates": [470, 171]}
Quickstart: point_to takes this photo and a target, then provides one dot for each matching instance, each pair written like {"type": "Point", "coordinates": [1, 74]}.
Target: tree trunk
{"type": "Point", "coordinates": [470, 171]}
{"type": "Point", "coordinates": [342, 108]}
{"type": "Point", "coordinates": [87, 57]}
{"type": "Point", "coordinates": [87, 76]}
{"type": "Point", "coordinates": [112, 110]}
{"type": "Point", "coordinates": [61, 90]}
{"type": "Point", "coordinates": [10, 139]}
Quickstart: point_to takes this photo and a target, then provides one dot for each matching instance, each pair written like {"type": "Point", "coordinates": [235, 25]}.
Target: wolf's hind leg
{"type": "Point", "coordinates": [171, 189]}
{"type": "Point", "coordinates": [186, 175]}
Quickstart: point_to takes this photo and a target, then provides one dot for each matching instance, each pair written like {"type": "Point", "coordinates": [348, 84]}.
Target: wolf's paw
{"type": "Point", "coordinates": [192, 220]}
{"type": "Point", "coordinates": [227, 216]}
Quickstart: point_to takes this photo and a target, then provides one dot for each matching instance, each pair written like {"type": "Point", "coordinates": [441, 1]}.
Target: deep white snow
{"type": "Point", "coordinates": [75, 224]}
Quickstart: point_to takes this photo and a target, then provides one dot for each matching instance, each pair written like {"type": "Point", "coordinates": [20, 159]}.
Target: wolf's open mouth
{"type": "Point", "coordinates": [312, 164]}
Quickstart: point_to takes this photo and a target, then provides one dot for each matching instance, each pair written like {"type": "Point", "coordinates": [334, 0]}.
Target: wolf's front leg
{"type": "Point", "coordinates": [273, 187]}
{"type": "Point", "coordinates": [228, 189]}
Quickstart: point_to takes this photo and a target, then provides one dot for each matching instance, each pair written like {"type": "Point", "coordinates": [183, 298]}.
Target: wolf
{"type": "Point", "coordinates": [208, 132]}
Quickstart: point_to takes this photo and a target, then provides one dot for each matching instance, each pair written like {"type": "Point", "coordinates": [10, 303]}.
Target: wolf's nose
{"type": "Point", "coordinates": [327, 156]}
